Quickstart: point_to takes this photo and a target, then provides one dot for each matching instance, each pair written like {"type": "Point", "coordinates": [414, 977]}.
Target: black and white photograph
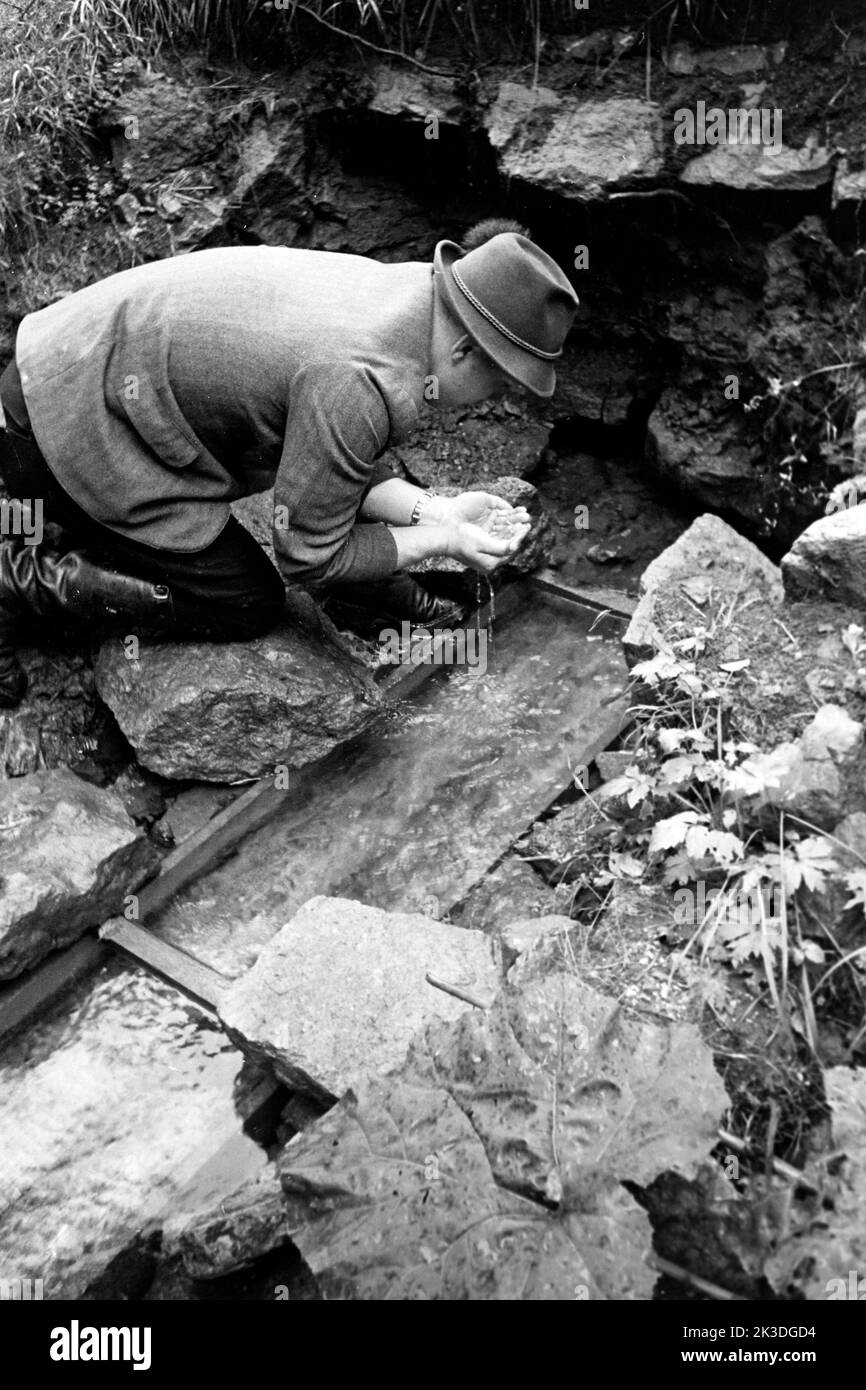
{"type": "Point", "coordinates": [432, 670]}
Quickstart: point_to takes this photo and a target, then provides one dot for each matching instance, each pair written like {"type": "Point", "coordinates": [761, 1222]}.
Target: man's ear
{"type": "Point", "coordinates": [462, 348]}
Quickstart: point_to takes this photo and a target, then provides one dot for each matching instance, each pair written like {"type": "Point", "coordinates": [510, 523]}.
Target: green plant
{"type": "Point", "coordinates": [707, 819]}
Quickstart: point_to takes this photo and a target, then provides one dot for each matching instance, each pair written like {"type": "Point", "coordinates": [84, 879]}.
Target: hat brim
{"type": "Point", "coordinates": [536, 375]}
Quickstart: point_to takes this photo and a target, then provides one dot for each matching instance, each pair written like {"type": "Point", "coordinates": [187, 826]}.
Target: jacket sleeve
{"type": "Point", "coordinates": [381, 473]}
{"type": "Point", "coordinates": [338, 423]}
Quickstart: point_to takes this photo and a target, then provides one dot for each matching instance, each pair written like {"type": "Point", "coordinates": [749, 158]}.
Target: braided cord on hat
{"type": "Point", "coordinates": [491, 318]}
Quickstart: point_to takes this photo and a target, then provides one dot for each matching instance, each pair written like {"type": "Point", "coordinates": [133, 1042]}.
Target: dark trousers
{"type": "Point", "coordinates": [227, 592]}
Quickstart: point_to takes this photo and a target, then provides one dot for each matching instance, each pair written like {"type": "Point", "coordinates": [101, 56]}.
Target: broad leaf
{"type": "Point", "coordinates": [674, 772]}
{"type": "Point", "coordinates": [671, 832]}
{"type": "Point", "coordinates": [570, 1095]}
{"type": "Point", "coordinates": [390, 1196]}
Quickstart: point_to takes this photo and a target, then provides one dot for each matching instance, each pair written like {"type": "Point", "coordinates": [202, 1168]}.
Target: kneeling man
{"type": "Point", "coordinates": [137, 409]}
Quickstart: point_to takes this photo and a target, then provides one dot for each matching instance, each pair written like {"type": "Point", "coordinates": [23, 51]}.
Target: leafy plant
{"type": "Point", "coordinates": [701, 802]}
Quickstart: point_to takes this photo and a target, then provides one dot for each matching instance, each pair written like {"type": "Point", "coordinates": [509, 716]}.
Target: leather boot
{"type": "Point", "coordinates": [370, 606]}
{"type": "Point", "coordinates": [35, 581]}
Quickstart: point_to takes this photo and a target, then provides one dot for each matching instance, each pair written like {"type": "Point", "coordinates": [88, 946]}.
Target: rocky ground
{"type": "Point", "coordinates": [584, 918]}
{"type": "Point", "coordinates": [711, 281]}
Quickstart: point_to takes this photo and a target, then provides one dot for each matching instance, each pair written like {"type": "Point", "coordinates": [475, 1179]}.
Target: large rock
{"type": "Point", "coordinates": [468, 448]}
{"type": "Point", "coordinates": [338, 993]}
{"type": "Point", "coordinates": [608, 381]}
{"type": "Point", "coordinates": [574, 148]}
{"type": "Point", "coordinates": [705, 449]}
{"type": "Point", "coordinates": [69, 855]}
{"type": "Point", "coordinates": [159, 126]}
{"type": "Point", "coordinates": [61, 722]}
{"type": "Point", "coordinates": [222, 712]}
{"type": "Point", "coordinates": [760, 168]}
{"type": "Point", "coordinates": [710, 552]}
{"type": "Point", "coordinates": [806, 777]}
{"type": "Point", "coordinates": [414, 95]}
{"type": "Point", "coordinates": [828, 561]}
{"type": "Point", "coordinates": [269, 191]}
{"type": "Point", "coordinates": [736, 60]}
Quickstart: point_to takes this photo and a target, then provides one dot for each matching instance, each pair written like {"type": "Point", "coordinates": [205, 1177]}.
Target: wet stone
{"type": "Point", "coordinates": [223, 712]}
{"type": "Point", "coordinates": [142, 795]}
{"type": "Point", "coordinates": [192, 809]}
{"type": "Point", "coordinates": [109, 1104]}
{"type": "Point", "coordinates": [69, 855]}
{"type": "Point", "coordinates": [232, 1232]}
{"type": "Point", "coordinates": [512, 890]}
{"type": "Point", "coordinates": [339, 991]}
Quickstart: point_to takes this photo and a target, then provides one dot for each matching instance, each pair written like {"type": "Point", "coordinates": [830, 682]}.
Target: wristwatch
{"type": "Point", "coordinates": [418, 507]}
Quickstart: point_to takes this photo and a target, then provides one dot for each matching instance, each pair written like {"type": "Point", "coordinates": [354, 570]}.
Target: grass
{"type": "Point", "coordinates": [55, 63]}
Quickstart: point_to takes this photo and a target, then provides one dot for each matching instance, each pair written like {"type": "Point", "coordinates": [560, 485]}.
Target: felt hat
{"type": "Point", "coordinates": [514, 301]}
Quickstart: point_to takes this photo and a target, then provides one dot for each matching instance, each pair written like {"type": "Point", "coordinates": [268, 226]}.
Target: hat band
{"type": "Point", "coordinates": [491, 318]}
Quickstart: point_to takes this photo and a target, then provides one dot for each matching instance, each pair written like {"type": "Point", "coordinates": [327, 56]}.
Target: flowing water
{"type": "Point", "coordinates": [422, 809]}
{"type": "Point", "coordinates": [108, 1105]}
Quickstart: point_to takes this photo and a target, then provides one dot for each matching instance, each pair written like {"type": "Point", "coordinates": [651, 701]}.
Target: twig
{"type": "Point", "coordinates": [780, 1168]}
{"type": "Point", "coordinates": [702, 1285]}
{"type": "Point", "coordinates": [787, 631]}
{"type": "Point", "coordinates": [457, 993]}
{"type": "Point", "coordinates": [366, 43]}
{"type": "Point", "coordinates": [827, 836]}
{"type": "Point", "coordinates": [668, 4]}
{"type": "Point", "coordinates": [653, 193]}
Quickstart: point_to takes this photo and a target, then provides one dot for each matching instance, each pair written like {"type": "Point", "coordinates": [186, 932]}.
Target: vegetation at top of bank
{"type": "Point", "coordinates": [62, 61]}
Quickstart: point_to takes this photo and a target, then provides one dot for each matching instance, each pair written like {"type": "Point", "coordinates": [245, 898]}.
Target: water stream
{"type": "Point", "coordinates": [108, 1105]}
{"type": "Point", "coordinates": [419, 813]}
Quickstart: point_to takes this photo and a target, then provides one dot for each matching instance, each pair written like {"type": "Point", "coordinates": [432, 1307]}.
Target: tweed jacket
{"type": "Point", "coordinates": [163, 392]}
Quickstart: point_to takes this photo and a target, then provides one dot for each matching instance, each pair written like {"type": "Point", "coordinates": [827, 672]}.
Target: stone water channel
{"type": "Point", "coordinates": [117, 1097]}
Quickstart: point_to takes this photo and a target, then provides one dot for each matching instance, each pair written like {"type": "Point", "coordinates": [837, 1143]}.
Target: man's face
{"type": "Point", "coordinates": [464, 374]}
{"type": "Point", "coordinates": [468, 376]}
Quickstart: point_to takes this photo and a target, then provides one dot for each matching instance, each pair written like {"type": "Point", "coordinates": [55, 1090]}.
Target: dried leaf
{"type": "Point", "coordinates": [421, 1185]}
{"type": "Point", "coordinates": [565, 1089]}
{"type": "Point", "coordinates": [390, 1196]}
